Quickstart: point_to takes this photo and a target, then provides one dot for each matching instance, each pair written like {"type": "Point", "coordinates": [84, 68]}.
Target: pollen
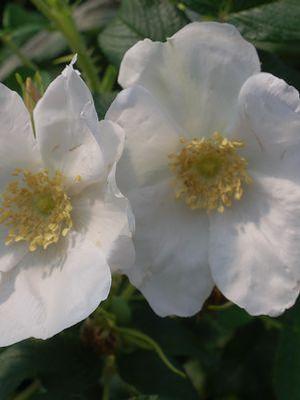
{"type": "Point", "coordinates": [209, 172]}
{"type": "Point", "coordinates": [36, 209]}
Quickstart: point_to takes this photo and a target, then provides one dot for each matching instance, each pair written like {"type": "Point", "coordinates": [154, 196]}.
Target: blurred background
{"type": "Point", "coordinates": [225, 353]}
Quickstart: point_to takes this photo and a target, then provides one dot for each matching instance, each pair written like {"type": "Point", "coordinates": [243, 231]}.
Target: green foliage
{"type": "Point", "coordinates": [62, 365]}
{"type": "Point", "coordinates": [137, 20]}
{"type": "Point", "coordinates": [224, 353]}
{"type": "Point", "coordinates": [287, 363]}
{"type": "Point", "coordinates": [273, 27]}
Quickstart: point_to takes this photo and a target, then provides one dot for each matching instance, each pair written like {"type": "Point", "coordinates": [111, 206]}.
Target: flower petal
{"type": "Point", "coordinates": [66, 122]}
{"type": "Point", "coordinates": [270, 126]}
{"type": "Point", "coordinates": [52, 290]}
{"type": "Point", "coordinates": [150, 138]}
{"type": "Point", "coordinates": [10, 255]}
{"type": "Point", "coordinates": [103, 215]}
{"type": "Point", "coordinates": [196, 75]}
{"type": "Point", "coordinates": [171, 244]}
{"type": "Point", "coordinates": [111, 139]}
{"type": "Point", "coordinates": [18, 147]}
{"type": "Point", "coordinates": [254, 247]}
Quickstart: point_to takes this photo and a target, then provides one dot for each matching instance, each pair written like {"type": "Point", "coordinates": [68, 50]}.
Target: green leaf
{"type": "Point", "coordinates": [272, 27]}
{"type": "Point", "coordinates": [16, 16]}
{"type": "Point", "coordinates": [137, 20]}
{"type": "Point", "coordinates": [174, 337]}
{"type": "Point", "coordinates": [219, 8]}
{"type": "Point", "coordinates": [149, 375]}
{"type": "Point", "coordinates": [274, 64]}
{"type": "Point", "coordinates": [287, 365]}
{"type": "Point", "coordinates": [246, 364]}
{"type": "Point", "coordinates": [62, 365]}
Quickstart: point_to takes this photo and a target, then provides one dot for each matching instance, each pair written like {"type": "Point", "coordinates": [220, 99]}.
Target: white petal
{"type": "Point", "coordinates": [111, 139]}
{"type": "Point", "coordinates": [150, 138]}
{"type": "Point", "coordinates": [254, 247]}
{"type": "Point", "coordinates": [103, 215]}
{"type": "Point", "coordinates": [65, 122]}
{"type": "Point", "coordinates": [18, 149]}
{"type": "Point", "coordinates": [17, 144]}
{"type": "Point", "coordinates": [171, 252]}
{"type": "Point", "coordinates": [270, 125]}
{"type": "Point", "coordinates": [10, 255]}
{"type": "Point", "coordinates": [196, 75]}
{"type": "Point", "coordinates": [52, 290]}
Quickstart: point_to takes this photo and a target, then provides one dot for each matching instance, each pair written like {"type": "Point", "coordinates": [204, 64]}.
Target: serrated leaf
{"type": "Point", "coordinates": [273, 26]}
{"type": "Point", "coordinates": [219, 8]}
{"type": "Point", "coordinates": [137, 20]}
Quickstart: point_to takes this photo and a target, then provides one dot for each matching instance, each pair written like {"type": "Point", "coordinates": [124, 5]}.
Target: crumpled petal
{"type": "Point", "coordinates": [52, 290]}
{"type": "Point", "coordinates": [66, 122]}
{"type": "Point", "coordinates": [196, 75]}
{"type": "Point", "coordinates": [103, 214]}
{"type": "Point", "coordinates": [254, 247]}
{"type": "Point", "coordinates": [269, 124]}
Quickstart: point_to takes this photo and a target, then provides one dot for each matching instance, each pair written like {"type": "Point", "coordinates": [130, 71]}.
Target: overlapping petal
{"type": "Point", "coordinates": [150, 137]}
{"type": "Point", "coordinates": [66, 122]}
{"type": "Point", "coordinates": [269, 124]}
{"type": "Point", "coordinates": [102, 215]}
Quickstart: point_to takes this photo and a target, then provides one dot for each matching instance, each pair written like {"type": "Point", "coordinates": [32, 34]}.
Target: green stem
{"type": "Point", "coordinates": [108, 372]}
{"type": "Point", "coordinates": [128, 292]}
{"type": "Point", "coordinates": [29, 392]}
{"type": "Point", "coordinates": [106, 391]}
{"type": "Point", "coordinates": [152, 344]}
{"type": "Point", "coordinates": [62, 17]}
{"type": "Point", "coordinates": [220, 307]}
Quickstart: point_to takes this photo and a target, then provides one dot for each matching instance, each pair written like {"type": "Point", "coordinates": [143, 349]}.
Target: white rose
{"type": "Point", "coordinates": [63, 222]}
{"type": "Point", "coordinates": [211, 168]}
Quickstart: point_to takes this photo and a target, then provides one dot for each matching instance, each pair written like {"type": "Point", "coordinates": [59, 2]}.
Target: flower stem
{"type": "Point", "coordinates": [61, 15]}
{"type": "Point", "coordinates": [128, 291]}
{"type": "Point", "coordinates": [147, 342]}
{"type": "Point", "coordinates": [29, 391]}
{"type": "Point", "coordinates": [106, 391]}
{"type": "Point", "coordinates": [220, 307]}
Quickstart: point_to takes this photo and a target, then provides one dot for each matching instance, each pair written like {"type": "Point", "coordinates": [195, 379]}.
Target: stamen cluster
{"type": "Point", "coordinates": [209, 172]}
{"type": "Point", "coordinates": [36, 209]}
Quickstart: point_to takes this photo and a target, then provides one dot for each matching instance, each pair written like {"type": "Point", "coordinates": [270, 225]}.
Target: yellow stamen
{"type": "Point", "coordinates": [36, 209]}
{"type": "Point", "coordinates": [209, 172]}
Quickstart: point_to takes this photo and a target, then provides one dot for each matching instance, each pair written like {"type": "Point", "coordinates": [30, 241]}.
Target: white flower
{"type": "Point", "coordinates": [63, 222]}
{"type": "Point", "coordinates": [211, 167]}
